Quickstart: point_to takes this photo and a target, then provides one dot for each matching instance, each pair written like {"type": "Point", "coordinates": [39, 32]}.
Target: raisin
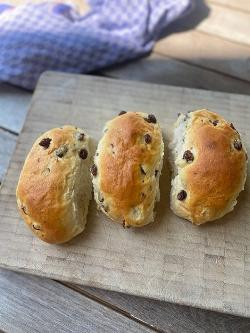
{"type": "Point", "coordinates": [35, 227]}
{"type": "Point", "coordinates": [24, 210]}
{"type": "Point", "coordinates": [60, 152]}
{"type": "Point", "coordinates": [121, 113]}
{"type": "Point", "coordinates": [93, 170]}
{"type": "Point", "coordinates": [237, 145]}
{"type": "Point", "coordinates": [156, 173]}
{"type": "Point", "coordinates": [45, 143]}
{"type": "Point", "coordinates": [215, 122]}
{"type": "Point", "coordinates": [124, 225]}
{"type": "Point", "coordinates": [188, 156]}
{"type": "Point", "coordinates": [46, 172]}
{"type": "Point", "coordinates": [80, 136]}
{"type": "Point", "coordinates": [147, 138]}
{"type": "Point", "coordinates": [232, 126]}
{"type": "Point", "coordinates": [142, 170]}
{"type": "Point", "coordinates": [112, 148]}
{"type": "Point", "coordinates": [105, 208]}
{"type": "Point", "coordinates": [182, 195]}
{"type": "Point", "coordinates": [151, 119]}
{"type": "Point", "coordinates": [83, 154]}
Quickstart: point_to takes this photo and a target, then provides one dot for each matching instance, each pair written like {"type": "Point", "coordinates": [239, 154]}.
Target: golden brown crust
{"type": "Point", "coordinates": [126, 168]}
{"type": "Point", "coordinates": [217, 174]}
{"type": "Point", "coordinates": [48, 188]}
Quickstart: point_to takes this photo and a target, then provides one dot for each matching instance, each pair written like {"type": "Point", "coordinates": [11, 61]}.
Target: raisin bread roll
{"type": "Point", "coordinates": [209, 166]}
{"type": "Point", "coordinates": [127, 168]}
{"type": "Point", "coordinates": [54, 188]}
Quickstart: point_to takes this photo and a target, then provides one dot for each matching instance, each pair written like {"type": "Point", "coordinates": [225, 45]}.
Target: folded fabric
{"type": "Point", "coordinates": [39, 37]}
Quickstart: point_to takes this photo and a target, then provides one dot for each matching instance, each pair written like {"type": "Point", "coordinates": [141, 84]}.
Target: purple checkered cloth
{"type": "Point", "coordinates": [36, 38]}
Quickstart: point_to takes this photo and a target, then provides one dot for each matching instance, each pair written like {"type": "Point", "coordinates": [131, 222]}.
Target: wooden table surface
{"type": "Point", "coordinates": [210, 49]}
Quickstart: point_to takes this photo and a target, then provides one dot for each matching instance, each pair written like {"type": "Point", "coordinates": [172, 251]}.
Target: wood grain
{"type": "Point", "coordinates": [207, 51]}
{"type": "Point", "coordinates": [13, 107]}
{"type": "Point", "coordinates": [33, 304]}
{"type": "Point", "coordinates": [168, 316]}
{"type": "Point", "coordinates": [233, 4]}
{"type": "Point", "coordinates": [170, 260]}
{"type": "Point", "coordinates": [226, 23]}
{"type": "Point", "coordinates": [165, 70]}
{"type": "Point", "coordinates": [7, 145]}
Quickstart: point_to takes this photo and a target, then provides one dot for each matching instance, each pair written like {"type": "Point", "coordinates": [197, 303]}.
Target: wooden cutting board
{"type": "Point", "coordinates": [172, 260]}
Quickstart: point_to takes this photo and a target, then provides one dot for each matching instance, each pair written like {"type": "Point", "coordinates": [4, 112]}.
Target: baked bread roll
{"type": "Point", "coordinates": [127, 167]}
{"type": "Point", "coordinates": [209, 166]}
{"type": "Point", "coordinates": [54, 188]}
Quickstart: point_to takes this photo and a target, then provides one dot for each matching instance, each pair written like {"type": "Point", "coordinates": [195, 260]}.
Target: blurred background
{"type": "Point", "coordinates": [209, 48]}
{"type": "Point", "coordinates": [81, 5]}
